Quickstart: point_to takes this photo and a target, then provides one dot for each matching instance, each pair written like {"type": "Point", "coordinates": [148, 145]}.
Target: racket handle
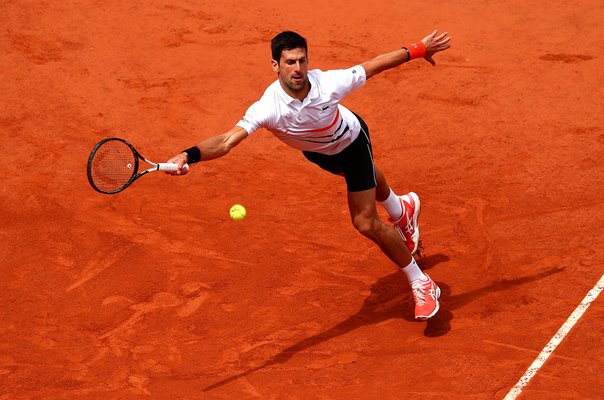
{"type": "Point", "coordinates": [170, 167]}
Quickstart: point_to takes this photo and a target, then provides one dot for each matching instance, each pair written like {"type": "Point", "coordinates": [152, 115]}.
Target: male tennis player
{"type": "Point", "coordinates": [302, 108]}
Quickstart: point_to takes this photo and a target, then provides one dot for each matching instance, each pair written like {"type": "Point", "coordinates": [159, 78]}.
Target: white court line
{"type": "Point", "coordinates": [555, 341]}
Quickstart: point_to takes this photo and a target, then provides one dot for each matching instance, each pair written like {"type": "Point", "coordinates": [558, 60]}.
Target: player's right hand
{"type": "Point", "coordinates": [181, 160]}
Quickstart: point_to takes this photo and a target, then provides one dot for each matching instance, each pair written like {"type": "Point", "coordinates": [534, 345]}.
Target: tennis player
{"type": "Point", "coordinates": [302, 108]}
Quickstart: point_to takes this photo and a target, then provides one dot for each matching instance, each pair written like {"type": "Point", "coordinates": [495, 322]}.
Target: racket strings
{"type": "Point", "coordinates": [113, 165]}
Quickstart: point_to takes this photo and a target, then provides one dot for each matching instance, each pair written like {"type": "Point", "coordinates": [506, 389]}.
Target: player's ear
{"type": "Point", "coordinates": [275, 65]}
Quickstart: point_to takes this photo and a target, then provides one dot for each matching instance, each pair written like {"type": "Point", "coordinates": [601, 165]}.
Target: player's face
{"type": "Point", "coordinates": [293, 70]}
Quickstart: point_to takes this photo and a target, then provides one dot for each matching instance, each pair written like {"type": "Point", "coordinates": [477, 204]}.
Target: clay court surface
{"type": "Point", "coordinates": [156, 294]}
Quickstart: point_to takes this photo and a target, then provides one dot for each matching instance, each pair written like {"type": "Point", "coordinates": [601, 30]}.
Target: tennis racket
{"type": "Point", "coordinates": [114, 165]}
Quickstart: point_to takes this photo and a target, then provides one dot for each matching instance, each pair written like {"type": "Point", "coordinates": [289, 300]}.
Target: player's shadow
{"type": "Point", "coordinates": [387, 296]}
{"type": "Point", "coordinates": [427, 262]}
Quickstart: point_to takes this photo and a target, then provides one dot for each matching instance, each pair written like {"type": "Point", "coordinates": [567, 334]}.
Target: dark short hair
{"type": "Point", "coordinates": [287, 40]}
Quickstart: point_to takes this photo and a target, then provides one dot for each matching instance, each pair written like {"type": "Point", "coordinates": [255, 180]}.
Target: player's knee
{"type": "Point", "coordinates": [366, 226]}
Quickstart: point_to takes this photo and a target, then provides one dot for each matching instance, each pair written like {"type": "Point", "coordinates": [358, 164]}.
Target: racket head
{"type": "Point", "coordinates": [112, 165]}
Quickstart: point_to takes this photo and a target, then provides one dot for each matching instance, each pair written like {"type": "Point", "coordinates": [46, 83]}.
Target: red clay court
{"type": "Point", "coordinates": [156, 294]}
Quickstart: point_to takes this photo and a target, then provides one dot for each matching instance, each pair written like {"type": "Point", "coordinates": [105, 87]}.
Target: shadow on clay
{"type": "Point", "coordinates": [384, 303]}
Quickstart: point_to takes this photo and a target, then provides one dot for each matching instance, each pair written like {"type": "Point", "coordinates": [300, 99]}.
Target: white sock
{"type": "Point", "coordinates": [413, 272]}
{"type": "Point", "coordinates": [392, 205]}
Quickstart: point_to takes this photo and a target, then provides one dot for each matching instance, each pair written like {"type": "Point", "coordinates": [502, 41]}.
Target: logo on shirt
{"type": "Point", "coordinates": [354, 71]}
{"type": "Point", "coordinates": [324, 107]}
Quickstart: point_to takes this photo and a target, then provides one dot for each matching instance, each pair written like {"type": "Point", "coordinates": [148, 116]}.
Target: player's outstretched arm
{"type": "Point", "coordinates": [210, 148]}
{"type": "Point", "coordinates": [427, 48]}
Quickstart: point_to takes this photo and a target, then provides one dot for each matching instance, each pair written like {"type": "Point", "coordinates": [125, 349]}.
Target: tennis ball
{"type": "Point", "coordinates": [237, 212]}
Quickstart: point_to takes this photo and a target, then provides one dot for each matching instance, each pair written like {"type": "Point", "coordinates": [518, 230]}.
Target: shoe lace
{"type": "Point", "coordinates": [418, 292]}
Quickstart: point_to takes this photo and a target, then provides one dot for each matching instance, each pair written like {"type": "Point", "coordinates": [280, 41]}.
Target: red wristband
{"type": "Point", "coordinates": [416, 50]}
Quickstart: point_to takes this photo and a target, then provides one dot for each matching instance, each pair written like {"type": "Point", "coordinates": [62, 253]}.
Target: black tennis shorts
{"type": "Point", "coordinates": [355, 162]}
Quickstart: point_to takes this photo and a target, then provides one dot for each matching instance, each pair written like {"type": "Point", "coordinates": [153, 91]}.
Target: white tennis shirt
{"type": "Point", "coordinates": [319, 123]}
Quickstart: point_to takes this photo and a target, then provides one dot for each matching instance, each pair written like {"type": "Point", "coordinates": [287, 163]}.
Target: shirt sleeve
{"type": "Point", "coordinates": [254, 118]}
{"type": "Point", "coordinates": [345, 81]}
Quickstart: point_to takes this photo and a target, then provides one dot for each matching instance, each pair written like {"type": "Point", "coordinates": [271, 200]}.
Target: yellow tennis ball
{"type": "Point", "coordinates": [237, 212]}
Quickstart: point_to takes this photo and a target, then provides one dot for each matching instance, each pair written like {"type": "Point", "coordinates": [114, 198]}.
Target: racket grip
{"type": "Point", "coordinates": [170, 167]}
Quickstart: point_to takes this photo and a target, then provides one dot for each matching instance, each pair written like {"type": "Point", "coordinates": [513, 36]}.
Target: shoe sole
{"type": "Point", "coordinates": [415, 236]}
{"type": "Point", "coordinates": [423, 318]}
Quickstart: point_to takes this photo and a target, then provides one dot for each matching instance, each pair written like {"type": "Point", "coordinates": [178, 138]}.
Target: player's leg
{"type": "Point", "coordinates": [365, 219]}
{"type": "Point", "coordinates": [363, 213]}
{"type": "Point", "coordinates": [383, 191]}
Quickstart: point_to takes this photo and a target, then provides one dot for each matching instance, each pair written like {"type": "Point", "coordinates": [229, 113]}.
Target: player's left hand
{"type": "Point", "coordinates": [434, 44]}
